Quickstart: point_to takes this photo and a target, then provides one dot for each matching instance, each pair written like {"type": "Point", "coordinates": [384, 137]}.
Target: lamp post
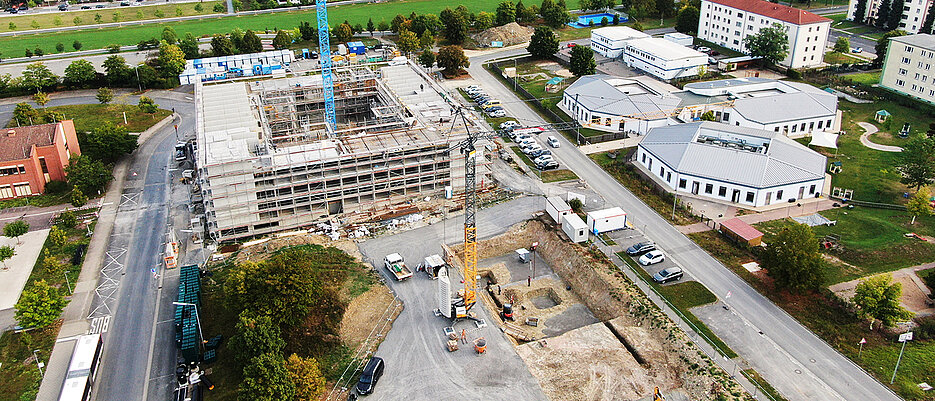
{"type": "Point", "coordinates": [197, 320]}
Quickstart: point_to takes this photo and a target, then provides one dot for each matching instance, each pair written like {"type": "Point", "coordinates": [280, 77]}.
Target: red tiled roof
{"type": "Point", "coordinates": [743, 230]}
{"type": "Point", "coordinates": [775, 11]}
{"type": "Point", "coordinates": [15, 143]}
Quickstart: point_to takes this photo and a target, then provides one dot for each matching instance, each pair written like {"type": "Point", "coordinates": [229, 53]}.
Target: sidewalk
{"type": "Point", "coordinates": [776, 214]}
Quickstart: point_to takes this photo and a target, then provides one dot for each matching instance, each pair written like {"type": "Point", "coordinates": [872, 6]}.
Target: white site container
{"type": "Point", "coordinates": [556, 208]}
{"type": "Point", "coordinates": [600, 221]}
{"type": "Point", "coordinates": [574, 228]}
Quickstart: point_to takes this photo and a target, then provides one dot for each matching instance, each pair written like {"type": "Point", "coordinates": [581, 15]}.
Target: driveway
{"type": "Point", "coordinates": [417, 363]}
{"type": "Point", "coordinates": [790, 345]}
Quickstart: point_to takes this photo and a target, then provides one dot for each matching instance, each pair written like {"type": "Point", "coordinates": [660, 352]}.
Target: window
{"type": "Point", "coordinates": [662, 171]}
{"type": "Point", "coordinates": [811, 125]}
{"type": "Point", "coordinates": [828, 124]}
{"type": "Point", "coordinates": [908, 49]}
{"type": "Point", "coordinates": [811, 189]}
{"type": "Point", "coordinates": [736, 42]}
{"type": "Point", "coordinates": [749, 197]}
{"type": "Point", "coordinates": [802, 128]}
{"type": "Point", "coordinates": [903, 71]}
{"type": "Point", "coordinates": [779, 194]}
{"type": "Point", "coordinates": [669, 176]}
{"type": "Point", "coordinates": [906, 60]}
{"type": "Point", "coordinates": [722, 191]}
{"type": "Point", "coordinates": [644, 158]}
{"type": "Point", "coordinates": [726, 117]}
{"type": "Point", "coordinates": [682, 183]}
{"type": "Point", "coordinates": [22, 189]}
{"type": "Point", "coordinates": [819, 124]}
{"type": "Point", "coordinates": [900, 82]}
{"type": "Point", "coordinates": [917, 75]}
{"type": "Point", "coordinates": [708, 188]}
{"type": "Point", "coordinates": [6, 191]}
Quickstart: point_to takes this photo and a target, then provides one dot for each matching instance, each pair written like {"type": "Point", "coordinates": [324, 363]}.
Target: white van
{"type": "Point", "coordinates": [399, 60]}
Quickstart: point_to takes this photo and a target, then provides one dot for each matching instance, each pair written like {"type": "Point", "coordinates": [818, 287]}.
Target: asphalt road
{"type": "Point", "coordinates": [417, 363]}
{"type": "Point", "coordinates": [868, 46]}
{"type": "Point", "coordinates": [822, 368]}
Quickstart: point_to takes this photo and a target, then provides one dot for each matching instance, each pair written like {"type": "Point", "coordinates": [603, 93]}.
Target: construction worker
{"type": "Point", "coordinates": [463, 336]}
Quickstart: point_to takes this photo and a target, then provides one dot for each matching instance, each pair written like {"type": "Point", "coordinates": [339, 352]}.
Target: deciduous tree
{"type": "Point", "coordinates": [6, 252]}
{"type": "Point", "coordinates": [771, 44]}
{"type": "Point", "coordinates": [255, 335]}
{"type": "Point", "coordinates": [37, 77]}
{"type": "Point", "coordinates": [919, 204]}
{"type": "Point", "coordinates": [221, 45]}
{"type": "Point", "coordinates": [39, 306]}
{"type": "Point", "coordinates": [147, 105]}
{"type": "Point", "coordinates": [582, 61]}
{"type": "Point", "coordinates": [107, 142]}
{"type": "Point", "coordinates": [283, 40]}
{"type": "Point", "coordinates": [90, 176]}
{"type": "Point", "coordinates": [842, 45]}
{"type": "Point", "coordinates": [506, 13]}
{"type": "Point", "coordinates": [792, 259]}
{"type": "Point", "coordinates": [452, 60]}
{"type": "Point", "coordinates": [543, 44]}
{"type": "Point", "coordinates": [266, 379]}
{"type": "Point", "coordinates": [877, 298]}
{"type": "Point", "coordinates": [343, 32]}
{"type": "Point", "coordinates": [454, 25]}
{"type": "Point", "coordinates": [78, 199]}
{"type": "Point", "coordinates": [407, 41]}
{"type": "Point", "coordinates": [916, 163]}
{"type": "Point", "coordinates": [189, 46]}
{"type": "Point", "coordinates": [171, 59]}
{"type": "Point", "coordinates": [105, 95]}
{"type": "Point", "coordinates": [687, 20]}
{"type": "Point", "coordinates": [117, 71]}
{"type": "Point", "coordinates": [169, 35]}
{"type": "Point", "coordinates": [15, 229]}
{"type": "Point", "coordinates": [427, 59]}
{"type": "Point", "coordinates": [306, 374]}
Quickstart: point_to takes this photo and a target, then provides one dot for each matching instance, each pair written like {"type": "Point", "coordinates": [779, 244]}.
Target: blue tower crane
{"type": "Point", "coordinates": [324, 47]}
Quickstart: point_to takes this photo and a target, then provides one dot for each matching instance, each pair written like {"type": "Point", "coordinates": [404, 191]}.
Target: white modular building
{"type": "Point", "coordinates": [612, 104]}
{"type": "Point", "coordinates": [730, 164]}
{"type": "Point", "coordinates": [236, 66]}
{"type": "Point", "coordinates": [664, 59]}
{"type": "Point", "coordinates": [609, 41]}
{"type": "Point", "coordinates": [679, 38]}
{"type": "Point", "coordinates": [557, 208]}
{"type": "Point", "coordinates": [728, 22]}
{"type": "Point", "coordinates": [605, 220]}
{"type": "Point", "coordinates": [574, 228]}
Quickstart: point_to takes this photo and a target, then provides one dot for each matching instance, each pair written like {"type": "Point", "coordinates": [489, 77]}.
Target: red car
{"type": "Point", "coordinates": [570, 45]}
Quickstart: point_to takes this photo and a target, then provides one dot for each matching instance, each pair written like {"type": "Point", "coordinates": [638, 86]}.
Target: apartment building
{"type": "Point", "coordinates": [32, 156]}
{"type": "Point", "coordinates": [266, 161]}
{"type": "Point", "coordinates": [914, 12]}
{"type": "Point", "coordinates": [908, 66]}
{"type": "Point", "coordinates": [728, 22]}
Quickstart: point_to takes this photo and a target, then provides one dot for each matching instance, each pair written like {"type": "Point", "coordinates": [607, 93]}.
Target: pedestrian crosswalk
{"type": "Point", "coordinates": [99, 325]}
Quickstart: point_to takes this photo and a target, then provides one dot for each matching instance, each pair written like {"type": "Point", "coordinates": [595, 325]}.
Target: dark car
{"type": "Point", "coordinates": [668, 274]}
{"type": "Point", "coordinates": [99, 6]}
{"type": "Point", "coordinates": [370, 376]}
{"type": "Point", "coordinates": [540, 152]}
{"type": "Point", "coordinates": [125, 4]}
{"type": "Point", "coordinates": [551, 165]}
{"type": "Point", "coordinates": [62, 7]}
{"type": "Point", "coordinates": [641, 248]}
{"type": "Point", "coordinates": [85, 7]}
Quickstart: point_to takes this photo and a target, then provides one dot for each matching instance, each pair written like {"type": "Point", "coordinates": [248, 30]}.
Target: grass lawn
{"type": "Point", "coordinates": [627, 176]}
{"type": "Point", "coordinates": [755, 377]}
{"type": "Point", "coordinates": [558, 175]}
{"type": "Point", "coordinates": [38, 200]}
{"type": "Point", "coordinates": [840, 58]}
{"type": "Point", "coordinates": [19, 377]}
{"type": "Point", "coordinates": [87, 17]}
{"type": "Point", "coordinates": [88, 116]}
{"type": "Point", "coordinates": [131, 35]}
{"type": "Point", "coordinates": [866, 78]}
{"type": "Point", "coordinates": [837, 326]}
{"type": "Point", "coordinates": [683, 296]}
{"type": "Point", "coordinates": [837, 18]}
{"type": "Point", "coordinates": [869, 172]}
{"type": "Point", "coordinates": [872, 240]}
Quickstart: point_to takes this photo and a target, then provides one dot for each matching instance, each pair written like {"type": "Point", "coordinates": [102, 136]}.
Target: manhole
{"type": "Point", "coordinates": [797, 371]}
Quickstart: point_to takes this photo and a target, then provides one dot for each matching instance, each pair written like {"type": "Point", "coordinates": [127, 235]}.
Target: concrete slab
{"type": "Point", "coordinates": [18, 268]}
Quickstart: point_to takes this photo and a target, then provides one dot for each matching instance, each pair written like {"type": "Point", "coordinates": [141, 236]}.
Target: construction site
{"type": "Point", "coordinates": [267, 159]}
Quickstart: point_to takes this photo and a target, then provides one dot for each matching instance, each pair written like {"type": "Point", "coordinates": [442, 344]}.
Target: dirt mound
{"type": "Point", "coordinates": [509, 34]}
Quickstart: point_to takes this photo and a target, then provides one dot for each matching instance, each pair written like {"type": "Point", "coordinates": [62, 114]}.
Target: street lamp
{"type": "Point", "coordinates": [197, 320]}
{"type": "Point", "coordinates": [38, 364]}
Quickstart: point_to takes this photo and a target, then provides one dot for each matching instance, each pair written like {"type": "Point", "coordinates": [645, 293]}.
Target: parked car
{"type": "Point", "coordinates": [85, 7]}
{"type": "Point", "coordinates": [570, 45]}
{"type": "Point", "coordinates": [124, 4]}
{"type": "Point", "coordinates": [509, 125]}
{"type": "Point", "coordinates": [857, 50]}
{"type": "Point", "coordinates": [495, 109]}
{"type": "Point", "coordinates": [652, 257]}
{"type": "Point", "coordinates": [371, 375]}
{"type": "Point", "coordinates": [668, 274]}
{"type": "Point", "coordinates": [531, 148]}
{"type": "Point", "coordinates": [641, 248]}
{"type": "Point", "coordinates": [553, 141]}
{"type": "Point", "coordinates": [541, 152]}
{"type": "Point", "coordinates": [552, 165]}
{"type": "Point", "coordinates": [506, 155]}
{"type": "Point", "coordinates": [99, 6]}
{"type": "Point", "coordinates": [714, 53]}
{"type": "Point", "coordinates": [492, 104]}
{"type": "Point", "coordinates": [63, 7]}
{"type": "Point", "coordinates": [543, 159]}
{"type": "Point", "coordinates": [498, 114]}
{"type": "Point", "coordinates": [703, 49]}
{"type": "Point", "coordinates": [712, 60]}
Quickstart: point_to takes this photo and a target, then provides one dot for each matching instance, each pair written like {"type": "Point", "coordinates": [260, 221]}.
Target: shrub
{"type": "Point", "coordinates": [56, 187]}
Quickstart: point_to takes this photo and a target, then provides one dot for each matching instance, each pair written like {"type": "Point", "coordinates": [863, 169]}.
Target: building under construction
{"type": "Point", "coordinates": [267, 161]}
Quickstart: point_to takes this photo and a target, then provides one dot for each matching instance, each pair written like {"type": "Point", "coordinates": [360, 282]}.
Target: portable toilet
{"type": "Point", "coordinates": [356, 48]}
{"type": "Point", "coordinates": [574, 228]}
{"type": "Point", "coordinates": [342, 49]}
{"type": "Point", "coordinates": [305, 54]}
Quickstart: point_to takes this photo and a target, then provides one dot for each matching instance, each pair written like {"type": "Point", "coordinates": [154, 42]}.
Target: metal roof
{"type": "Point", "coordinates": [665, 49]}
{"type": "Point", "coordinates": [775, 11]}
{"type": "Point", "coordinates": [597, 94]}
{"type": "Point", "coordinates": [923, 40]}
{"type": "Point", "coordinates": [619, 33]}
{"type": "Point", "coordinates": [768, 101]}
{"type": "Point", "coordinates": [784, 161]}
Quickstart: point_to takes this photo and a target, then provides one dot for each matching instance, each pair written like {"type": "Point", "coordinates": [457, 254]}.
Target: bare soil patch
{"type": "Point", "coordinates": [363, 313]}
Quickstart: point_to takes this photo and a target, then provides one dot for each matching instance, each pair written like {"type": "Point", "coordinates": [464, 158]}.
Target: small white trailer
{"type": "Point", "coordinates": [557, 208]}
{"type": "Point", "coordinates": [574, 228]}
{"type": "Point", "coordinates": [612, 219]}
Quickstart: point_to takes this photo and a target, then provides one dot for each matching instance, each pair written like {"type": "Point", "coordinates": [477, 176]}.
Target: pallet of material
{"type": "Point", "coordinates": [517, 333]}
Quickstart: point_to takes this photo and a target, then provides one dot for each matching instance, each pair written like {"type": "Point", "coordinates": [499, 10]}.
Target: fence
{"type": "Point", "coordinates": [875, 205]}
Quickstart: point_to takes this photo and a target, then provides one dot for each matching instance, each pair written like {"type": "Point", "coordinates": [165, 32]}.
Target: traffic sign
{"type": "Point", "coordinates": [907, 336]}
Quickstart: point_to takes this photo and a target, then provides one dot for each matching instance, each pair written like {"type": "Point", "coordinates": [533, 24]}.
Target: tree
{"type": "Point", "coordinates": [171, 59]}
{"type": "Point", "coordinates": [883, 46]}
{"type": "Point", "coordinates": [426, 22]}
{"type": "Point", "coordinates": [543, 44]}
{"type": "Point", "coordinates": [79, 73]}
{"type": "Point", "coordinates": [427, 59]}
{"type": "Point", "coordinates": [522, 14]}
{"type": "Point", "coordinates": [343, 32]}
{"type": "Point", "coordinates": [484, 20]}
{"type": "Point", "coordinates": [67, 219]}
{"type": "Point", "coordinates": [452, 60]}
{"type": "Point", "coordinates": [15, 229]}
{"type": "Point", "coordinates": [407, 41]}
{"type": "Point", "coordinates": [454, 26]}
{"type": "Point", "coordinates": [24, 114]}
{"type": "Point", "coordinates": [792, 259]}
{"type": "Point", "coordinates": [665, 8]}
{"type": "Point", "coordinates": [251, 43]}
{"type": "Point", "coordinates": [169, 35]}
{"type": "Point", "coordinates": [842, 45]}
{"type": "Point", "coordinates": [255, 335]}
{"type": "Point", "coordinates": [506, 13]}
{"type": "Point", "coordinates": [28, 53]}
{"type": "Point", "coordinates": [117, 71]}
{"type": "Point", "coordinates": [6, 252]}
{"type": "Point", "coordinates": [877, 298]}
{"type": "Point", "coordinates": [41, 98]}
{"type": "Point", "coordinates": [39, 306]}
{"type": "Point", "coordinates": [916, 163]}
{"type": "Point", "coordinates": [397, 23]}
{"type": "Point", "coordinates": [555, 15]}
{"type": "Point", "coordinates": [57, 236]}
{"type": "Point", "coordinates": [307, 31]}
{"type": "Point", "coordinates": [305, 373]}
{"type": "Point", "coordinates": [78, 199]}
{"type": "Point", "coordinates": [860, 11]}
{"type": "Point", "coordinates": [189, 46]}
{"type": "Point", "coordinates": [38, 51]}
{"type": "Point", "coordinates": [282, 40]}
{"type": "Point", "coordinates": [896, 14]}
{"type": "Point", "coordinates": [147, 105]}
{"type": "Point", "coordinates": [687, 20]}
{"type": "Point", "coordinates": [37, 77]}
{"type": "Point", "coordinates": [383, 26]}
{"type": "Point", "coordinates": [883, 15]}
{"type": "Point", "coordinates": [52, 264]}
{"type": "Point", "coordinates": [266, 379]}
{"type": "Point", "coordinates": [771, 44]}
{"type": "Point", "coordinates": [107, 142]}
{"type": "Point", "coordinates": [76, 45]}
{"type": "Point", "coordinates": [582, 61]}
{"type": "Point", "coordinates": [221, 45]}
{"type": "Point", "coordinates": [59, 47]}
{"type": "Point", "coordinates": [88, 175]}
{"type": "Point", "coordinates": [919, 204]}
{"type": "Point", "coordinates": [576, 205]}
{"type": "Point", "coordinates": [426, 40]}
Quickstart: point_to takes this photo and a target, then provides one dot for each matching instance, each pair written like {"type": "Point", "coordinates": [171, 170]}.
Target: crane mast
{"type": "Point", "coordinates": [324, 47]}
{"type": "Point", "coordinates": [470, 229]}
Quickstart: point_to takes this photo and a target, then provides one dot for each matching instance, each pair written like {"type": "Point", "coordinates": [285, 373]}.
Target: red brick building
{"type": "Point", "coordinates": [32, 156]}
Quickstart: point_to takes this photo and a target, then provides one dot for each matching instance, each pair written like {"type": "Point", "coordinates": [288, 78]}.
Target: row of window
{"type": "Point", "coordinates": [12, 170]}
{"type": "Point", "coordinates": [19, 189]}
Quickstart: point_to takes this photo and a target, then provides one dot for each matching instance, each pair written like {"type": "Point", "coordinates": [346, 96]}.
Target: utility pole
{"type": "Point", "coordinates": [675, 198]}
